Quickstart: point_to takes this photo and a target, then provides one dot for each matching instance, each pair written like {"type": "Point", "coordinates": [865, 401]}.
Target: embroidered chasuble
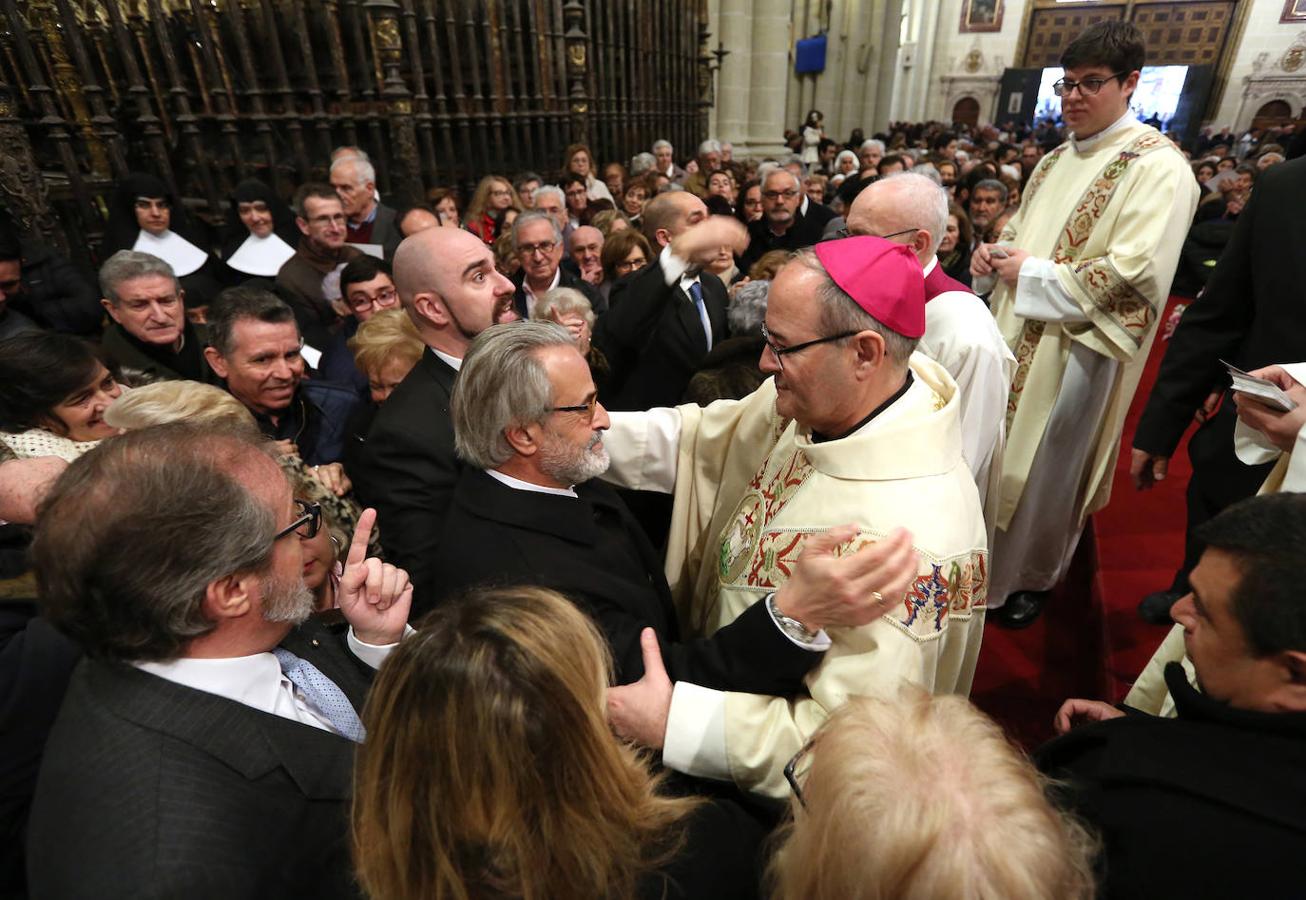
{"type": "Point", "coordinates": [1110, 213]}
{"type": "Point", "coordinates": [750, 488]}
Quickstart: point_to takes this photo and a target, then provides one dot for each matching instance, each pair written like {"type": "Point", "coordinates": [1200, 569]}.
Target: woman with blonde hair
{"type": "Point", "coordinates": [385, 348]}
{"type": "Point", "coordinates": [205, 404]}
{"type": "Point", "coordinates": [489, 771]}
{"type": "Point", "coordinates": [917, 797]}
{"type": "Point", "coordinates": [578, 159]}
{"type": "Point", "coordinates": [569, 308]}
{"type": "Point", "coordinates": [494, 194]}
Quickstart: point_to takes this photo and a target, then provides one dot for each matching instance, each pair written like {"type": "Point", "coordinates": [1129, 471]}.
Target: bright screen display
{"type": "Point", "coordinates": [1159, 89]}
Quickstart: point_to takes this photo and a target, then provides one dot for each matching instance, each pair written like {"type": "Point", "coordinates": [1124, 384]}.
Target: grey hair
{"type": "Point", "coordinates": [991, 184]}
{"type": "Point", "coordinates": [524, 179]}
{"type": "Point", "coordinates": [845, 153]}
{"type": "Point", "coordinates": [563, 300]}
{"type": "Point", "coordinates": [709, 146]}
{"type": "Point", "coordinates": [534, 215]}
{"type": "Point", "coordinates": [126, 265]}
{"type": "Point", "coordinates": [662, 142]}
{"type": "Point", "coordinates": [926, 198]}
{"type": "Point", "coordinates": [502, 384]}
{"type": "Point", "coordinates": [364, 171]}
{"type": "Point", "coordinates": [549, 190]}
{"type": "Point", "coordinates": [112, 571]}
{"type": "Point", "coordinates": [763, 177]}
{"type": "Point", "coordinates": [747, 310]}
{"type": "Point", "coordinates": [244, 302]}
{"type": "Point", "coordinates": [872, 142]}
{"type": "Point", "coordinates": [345, 151]}
{"type": "Point", "coordinates": [641, 163]}
{"type": "Point", "coordinates": [840, 312]}
{"type": "Point", "coordinates": [928, 170]}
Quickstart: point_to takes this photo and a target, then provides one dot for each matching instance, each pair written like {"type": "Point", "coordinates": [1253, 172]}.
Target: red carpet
{"type": "Point", "coordinates": [1089, 642]}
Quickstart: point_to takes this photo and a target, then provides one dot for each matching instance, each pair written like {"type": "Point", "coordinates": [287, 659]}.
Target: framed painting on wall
{"type": "Point", "coordinates": [986, 15]}
{"type": "Point", "coordinates": [1293, 11]}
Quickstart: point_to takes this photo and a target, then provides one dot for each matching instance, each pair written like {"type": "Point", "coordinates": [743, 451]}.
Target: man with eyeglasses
{"type": "Point", "coordinates": [309, 280]}
{"type": "Point", "coordinates": [367, 288]}
{"type": "Point", "coordinates": [538, 243]}
{"type": "Point", "coordinates": [782, 227]}
{"type": "Point", "coordinates": [150, 332]}
{"type": "Point", "coordinates": [205, 741]}
{"type": "Point", "coordinates": [256, 350]}
{"type": "Point", "coordinates": [530, 508]}
{"type": "Point", "coordinates": [1082, 271]}
{"type": "Point", "coordinates": [853, 427]}
{"type": "Point", "coordinates": [960, 333]}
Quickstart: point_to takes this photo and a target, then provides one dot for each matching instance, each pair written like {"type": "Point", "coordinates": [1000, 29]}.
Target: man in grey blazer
{"type": "Point", "coordinates": [205, 744]}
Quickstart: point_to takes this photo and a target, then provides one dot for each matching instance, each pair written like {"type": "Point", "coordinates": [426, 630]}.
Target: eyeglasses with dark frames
{"type": "Point", "coordinates": [844, 232]}
{"type": "Point", "coordinates": [791, 773]}
{"type": "Point", "coordinates": [587, 408]}
{"type": "Point", "coordinates": [306, 526]}
{"type": "Point", "coordinates": [1087, 88]}
{"type": "Point", "coordinates": [781, 352]}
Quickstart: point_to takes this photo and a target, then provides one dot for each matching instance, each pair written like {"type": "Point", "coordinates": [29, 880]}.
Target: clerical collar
{"type": "Point", "coordinates": [1089, 144]}
{"type": "Point", "coordinates": [818, 438]}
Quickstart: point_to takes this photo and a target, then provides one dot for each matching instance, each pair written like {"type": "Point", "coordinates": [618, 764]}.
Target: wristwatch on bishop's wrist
{"type": "Point", "coordinates": [789, 625]}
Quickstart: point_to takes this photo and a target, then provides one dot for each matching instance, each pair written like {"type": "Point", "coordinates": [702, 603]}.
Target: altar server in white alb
{"type": "Point", "coordinates": [852, 428]}
{"type": "Point", "coordinates": [960, 333]}
{"type": "Point", "coordinates": [1083, 271]}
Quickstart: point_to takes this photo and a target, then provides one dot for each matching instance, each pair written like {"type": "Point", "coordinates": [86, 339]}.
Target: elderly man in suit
{"type": "Point", "coordinates": [370, 221]}
{"type": "Point", "coordinates": [537, 241]}
{"type": "Point", "coordinates": [529, 508]}
{"type": "Point", "coordinates": [449, 287]}
{"type": "Point", "coordinates": [205, 744]}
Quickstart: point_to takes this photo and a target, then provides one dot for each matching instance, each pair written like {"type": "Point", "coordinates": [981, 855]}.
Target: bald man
{"type": "Point", "coordinates": [664, 318]}
{"type": "Point", "coordinates": [960, 333]}
{"type": "Point", "coordinates": [406, 468]}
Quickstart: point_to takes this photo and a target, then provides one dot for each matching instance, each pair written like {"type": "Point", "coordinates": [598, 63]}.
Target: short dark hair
{"type": "Point", "coordinates": [363, 268]}
{"type": "Point", "coordinates": [942, 140]}
{"type": "Point", "coordinates": [314, 189]}
{"type": "Point", "coordinates": [1265, 536]}
{"type": "Point", "coordinates": [38, 371]}
{"type": "Point", "coordinates": [1115, 44]}
{"type": "Point", "coordinates": [132, 534]}
{"type": "Point", "coordinates": [10, 247]}
{"type": "Point", "coordinates": [572, 178]}
{"type": "Point", "coordinates": [893, 159]}
{"type": "Point", "coordinates": [243, 302]}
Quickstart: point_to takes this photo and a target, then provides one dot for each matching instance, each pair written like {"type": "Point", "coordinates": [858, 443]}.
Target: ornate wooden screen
{"type": "Point", "coordinates": [439, 92]}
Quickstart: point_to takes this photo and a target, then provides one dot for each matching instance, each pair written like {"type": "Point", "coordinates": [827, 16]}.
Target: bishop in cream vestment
{"type": "Point", "coordinates": [749, 489]}
{"type": "Point", "coordinates": [1103, 220]}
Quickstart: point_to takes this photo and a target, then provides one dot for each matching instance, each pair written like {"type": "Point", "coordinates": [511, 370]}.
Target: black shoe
{"type": "Point", "coordinates": [1155, 608]}
{"type": "Point", "coordinates": [1021, 609]}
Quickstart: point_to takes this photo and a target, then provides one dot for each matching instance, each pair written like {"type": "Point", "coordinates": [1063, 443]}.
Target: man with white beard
{"type": "Point", "coordinates": [529, 509]}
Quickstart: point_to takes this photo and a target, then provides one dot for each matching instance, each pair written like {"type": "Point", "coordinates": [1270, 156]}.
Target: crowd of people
{"type": "Point", "coordinates": [632, 530]}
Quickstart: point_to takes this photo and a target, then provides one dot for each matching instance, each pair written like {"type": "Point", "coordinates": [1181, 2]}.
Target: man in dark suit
{"type": "Point", "coordinates": [1232, 762]}
{"type": "Point", "coordinates": [529, 508]}
{"type": "Point", "coordinates": [370, 221]}
{"type": "Point", "coordinates": [1251, 315]}
{"type": "Point", "coordinates": [665, 318]}
{"type": "Point", "coordinates": [205, 744]}
{"type": "Point", "coordinates": [781, 226]}
{"type": "Point", "coordinates": [149, 330]}
{"type": "Point", "coordinates": [407, 468]}
{"type": "Point", "coordinates": [537, 241]}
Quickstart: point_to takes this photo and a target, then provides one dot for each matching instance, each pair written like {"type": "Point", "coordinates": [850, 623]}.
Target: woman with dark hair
{"type": "Point", "coordinates": [954, 249]}
{"type": "Point", "coordinates": [489, 771]}
{"type": "Point", "coordinates": [54, 390]}
{"type": "Point", "coordinates": [262, 234]}
{"type": "Point", "coordinates": [145, 216]}
{"type": "Point", "coordinates": [444, 201]}
{"type": "Point", "coordinates": [624, 252]}
{"type": "Point", "coordinates": [748, 209]}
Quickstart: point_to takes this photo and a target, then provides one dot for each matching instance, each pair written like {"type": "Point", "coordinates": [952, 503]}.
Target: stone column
{"type": "Point", "coordinates": [769, 79]}
{"type": "Point", "coordinates": [735, 31]}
